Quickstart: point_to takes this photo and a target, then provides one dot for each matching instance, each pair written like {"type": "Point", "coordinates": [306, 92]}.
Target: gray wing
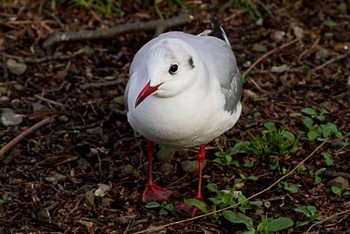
{"type": "Point", "coordinates": [222, 65]}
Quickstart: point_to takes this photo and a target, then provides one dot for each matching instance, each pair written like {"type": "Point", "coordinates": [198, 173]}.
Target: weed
{"type": "Point", "coordinates": [271, 141]}
{"type": "Point", "coordinates": [317, 174]}
{"type": "Point", "coordinates": [336, 190]}
{"type": "Point", "coordinates": [225, 158]}
{"type": "Point", "coordinates": [310, 212]}
{"type": "Point", "coordinates": [268, 225]}
{"type": "Point", "coordinates": [292, 188]}
{"type": "Point", "coordinates": [319, 131]}
{"type": "Point", "coordinates": [165, 209]}
{"type": "Point", "coordinates": [255, 9]}
{"type": "Point", "coordinates": [327, 158]}
{"type": "Point", "coordinates": [5, 198]}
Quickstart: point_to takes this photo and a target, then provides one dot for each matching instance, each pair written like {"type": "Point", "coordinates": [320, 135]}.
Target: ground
{"type": "Point", "coordinates": [84, 169]}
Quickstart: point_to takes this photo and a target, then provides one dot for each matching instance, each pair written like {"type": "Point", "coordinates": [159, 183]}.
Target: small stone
{"type": "Point", "coordinates": [322, 53]}
{"type": "Point", "coordinates": [90, 198]}
{"type": "Point", "coordinates": [165, 154]}
{"type": "Point", "coordinates": [37, 106]}
{"type": "Point", "coordinates": [16, 67]}
{"type": "Point", "coordinates": [166, 168]}
{"type": "Point", "coordinates": [10, 118]}
{"type": "Point", "coordinates": [298, 31]}
{"type": "Point", "coordinates": [260, 22]}
{"type": "Point", "coordinates": [258, 47]}
{"type": "Point", "coordinates": [279, 69]}
{"type": "Point", "coordinates": [191, 166]}
{"type": "Point", "coordinates": [339, 182]}
{"type": "Point", "coordinates": [102, 190]}
{"type": "Point", "coordinates": [3, 90]}
{"type": "Point", "coordinates": [95, 131]}
{"type": "Point", "coordinates": [278, 35]}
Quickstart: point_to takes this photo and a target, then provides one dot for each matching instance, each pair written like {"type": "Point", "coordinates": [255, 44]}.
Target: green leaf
{"type": "Point", "coordinates": [293, 188]}
{"type": "Point", "coordinates": [302, 223]}
{"type": "Point", "coordinates": [238, 218]}
{"type": "Point", "coordinates": [253, 178]}
{"type": "Point", "coordinates": [197, 203]}
{"type": "Point", "coordinates": [313, 135]}
{"type": "Point", "coordinates": [152, 204]}
{"type": "Point", "coordinates": [163, 212]}
{"type": "Point", "coordinates": [330, 24]}
{"type": "Point", "coordinates": [279, 224]}
{"type": "Point", "coordinates": [263, 223]}
{"type": "Point", "coordinates": [290, 136]}
{"type": "Point", "coordinates": [248, 164]}
{"type": "Point", "coordinates": [327, 158]}
{"type": "Point", "coordinates": [213, 188]}
{"type": "Point", "coordinates": [309, 111]}
{"type": "Point", "coordinates": [309, 123]}
{"type": "Point", "coordinates": [169, 207]}
{"type": "Point", "coordinates": [336, 190]}
{"type": "Point", "coordinates": [270, 126]}
{"type": "Point", "coordinates": [306, 210]}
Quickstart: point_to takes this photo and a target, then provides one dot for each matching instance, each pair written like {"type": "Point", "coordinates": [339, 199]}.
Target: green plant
{"type": "Point", "coordinates": [336, 190]}
{"type": "Point", "coordinates": [270, 225]}
{"type": "Point", "coordinates": [319, 131]}
{"type": "Point", "coordinates": [225, 158]}
{"type": "Point", "coordinates": [271, 141]}
{"type": "Point", "coordinates": [165, 209]}
{"type": "Point", "coordinates": [327, 157]}
{"type": "Point", "coordinates": [5, 198]}
{"type": "Point", "coordinates": [310, 212]}
{"type": "Point", "coordinates": [317, 174]}
{"type": "Point", "coordinates": [292, 188]}
{"type": "Point", "coordinates": [311, 111]}
{"type": "Point", "coordinates": [255, 9]}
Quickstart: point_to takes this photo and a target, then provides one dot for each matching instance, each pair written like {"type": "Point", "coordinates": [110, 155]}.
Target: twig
{"type": "Point", "coordinates": [332, 60]}
{"type": "Point", "coordinates": [48, 58]}
{"type": "Point", "coordinates": [25, 133]}
{"type": "Point", "coordinates": [155, 25]}
{"type": "Point", "coordinates": [100, 84]}
{"type": "Point", "coordinates": [48, 100]}
{"type": "Point", "coordinates": [239, 203]}
{"type": "Point", "coordinates": [328, 218]}
{"type": "Point", "coordinates": [264, 56]}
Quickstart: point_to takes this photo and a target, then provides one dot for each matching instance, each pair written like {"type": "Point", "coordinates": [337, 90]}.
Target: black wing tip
{"type": "Point", "coordinates": [218, 31]}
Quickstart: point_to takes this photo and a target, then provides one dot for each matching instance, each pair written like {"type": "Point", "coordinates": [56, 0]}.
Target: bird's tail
{"type": "Point", "coordinates": [216, 31]}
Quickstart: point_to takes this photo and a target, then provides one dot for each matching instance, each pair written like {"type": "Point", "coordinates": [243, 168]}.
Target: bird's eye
{"type": "Point", "coordinates": [173, 68]}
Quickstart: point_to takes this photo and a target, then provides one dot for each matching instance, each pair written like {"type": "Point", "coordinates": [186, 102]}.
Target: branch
{"type": "Point", "coordinates": [328, 218]}
{"type": "Point", "coordinates": [25, 133]}
{"type": "Point", "coordinates": [264, 56]}
{"type": "Point", "coordinates": [156, 25]}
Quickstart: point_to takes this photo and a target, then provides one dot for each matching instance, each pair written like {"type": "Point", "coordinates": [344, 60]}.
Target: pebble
{"type": "Point", "coordinates": [165, 154]}
{"type": "Point", "coordinates": [191, 166]}
{"type": "Point", "coordinates": [10, 118]}
{"type": "Point", "coordinates": [15, 67]}
{"type": "Point", "coordinates": [166, 168]}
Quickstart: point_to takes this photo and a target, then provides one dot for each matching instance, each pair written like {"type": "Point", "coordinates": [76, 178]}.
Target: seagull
{"type": "Point", "coordinates": [184, 91]}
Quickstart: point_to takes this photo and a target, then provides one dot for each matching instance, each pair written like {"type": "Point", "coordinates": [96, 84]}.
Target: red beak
{"type": "Point", "coordinates": [146, 91]}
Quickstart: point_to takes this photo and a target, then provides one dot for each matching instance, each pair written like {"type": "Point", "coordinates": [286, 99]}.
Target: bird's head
{"type": "Point", "coordinates": [172, 65]}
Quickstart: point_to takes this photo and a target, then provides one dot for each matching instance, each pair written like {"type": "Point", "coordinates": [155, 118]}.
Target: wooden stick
{"type": "Point", "coordinates": [25, 133]}
{"type": "Point", "coordinates": [156, 25]}
{"type": "Point", "coordinates": [264, 56]}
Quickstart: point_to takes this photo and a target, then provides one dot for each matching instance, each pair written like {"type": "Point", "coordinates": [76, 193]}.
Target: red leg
{"type": "Point", "coordinates": [153, 191]}
{"type": "Point", "coordinates": [192, 210]}
{"type": "Point", "coordinates": [201, 158]}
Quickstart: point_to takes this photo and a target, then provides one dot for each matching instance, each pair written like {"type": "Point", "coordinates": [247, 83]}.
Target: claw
{"type": "Point", "coordinates": [155, 192]}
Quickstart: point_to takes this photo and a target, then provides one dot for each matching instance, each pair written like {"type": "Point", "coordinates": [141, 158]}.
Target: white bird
{"type": "Point", "coordinates": [184, 91]}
